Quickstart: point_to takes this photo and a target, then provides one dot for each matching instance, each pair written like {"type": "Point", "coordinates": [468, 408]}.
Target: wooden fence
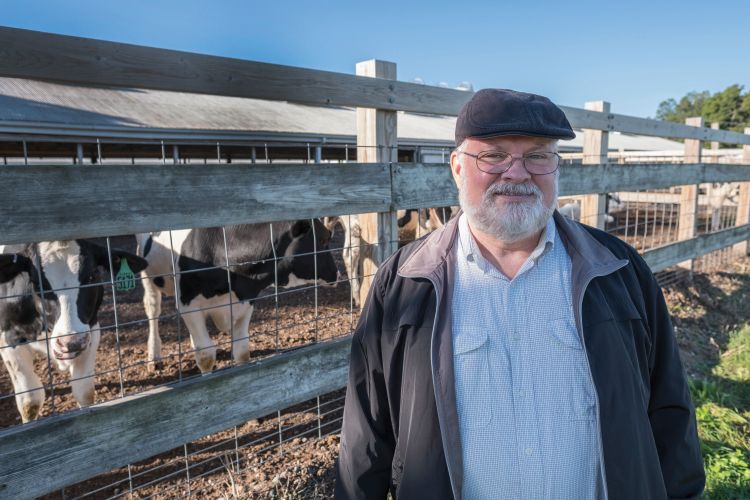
{"type": "Point", "coordinates": [57, 202]}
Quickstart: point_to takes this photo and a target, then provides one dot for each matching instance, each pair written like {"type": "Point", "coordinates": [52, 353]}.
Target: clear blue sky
{"type": "Point", "coordinates": [632, 53]}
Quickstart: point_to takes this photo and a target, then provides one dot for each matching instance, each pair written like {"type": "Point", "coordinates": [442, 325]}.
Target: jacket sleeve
{"type": "Point", "coordinates": [366, 452]}
{"type": "Point", "coordinates": [671, 411]}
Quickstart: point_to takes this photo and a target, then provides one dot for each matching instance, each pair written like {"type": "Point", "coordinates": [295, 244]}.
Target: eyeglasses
{"type": "Point", "coordinates": [498, 162]}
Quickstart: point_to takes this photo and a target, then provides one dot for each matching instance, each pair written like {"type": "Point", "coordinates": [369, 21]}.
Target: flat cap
{"type": "Point", "coordinates": [497, 112]}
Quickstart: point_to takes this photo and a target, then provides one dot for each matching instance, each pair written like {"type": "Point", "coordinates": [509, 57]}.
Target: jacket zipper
{"type": "Point", "coordinates": [456, 494]}
{"type": "Point", "coordinates": [579, 326]}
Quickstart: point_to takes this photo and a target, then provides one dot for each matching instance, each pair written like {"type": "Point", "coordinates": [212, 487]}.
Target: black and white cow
{"type": "Point", "coordinates": [50, 294]}
{"type": "Point", "coordinates": [286, 253]}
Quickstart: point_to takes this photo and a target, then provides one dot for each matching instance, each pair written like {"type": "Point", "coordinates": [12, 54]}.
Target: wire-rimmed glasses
{"type": "Point", "coordinates": [498, 162]}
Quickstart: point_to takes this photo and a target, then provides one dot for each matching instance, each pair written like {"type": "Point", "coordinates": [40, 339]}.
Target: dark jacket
{"type": "Point", "coordinates": [400, 429]}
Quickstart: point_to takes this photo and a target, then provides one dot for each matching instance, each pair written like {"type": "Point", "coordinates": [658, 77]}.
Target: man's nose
{"type": "Point", "coordinates": [516, 172]}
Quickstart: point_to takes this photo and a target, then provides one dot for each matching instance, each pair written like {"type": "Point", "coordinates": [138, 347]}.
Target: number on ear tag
{"type": "Point", "coordinates": [125, 279]}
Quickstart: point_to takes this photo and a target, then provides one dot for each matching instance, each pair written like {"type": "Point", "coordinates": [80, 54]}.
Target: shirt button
{"type": "Point", "coordinates": [528, 452]}
{"type": "Point", "coordinates": [521, 393]}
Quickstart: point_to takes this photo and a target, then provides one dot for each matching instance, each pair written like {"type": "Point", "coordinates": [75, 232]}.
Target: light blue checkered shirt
{"type": "Point", "coordinates": [525, 398]}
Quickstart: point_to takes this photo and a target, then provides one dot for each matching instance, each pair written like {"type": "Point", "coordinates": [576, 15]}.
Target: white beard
{"type": "Point", "coordinates": [513, 221]}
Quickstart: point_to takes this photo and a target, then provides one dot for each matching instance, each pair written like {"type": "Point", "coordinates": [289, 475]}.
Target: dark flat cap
{"type": "Point", "coordinates": [497, 112]}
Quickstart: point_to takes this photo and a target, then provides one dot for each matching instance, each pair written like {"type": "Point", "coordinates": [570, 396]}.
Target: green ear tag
{"type": "Point", "coordinates": [125, 279]}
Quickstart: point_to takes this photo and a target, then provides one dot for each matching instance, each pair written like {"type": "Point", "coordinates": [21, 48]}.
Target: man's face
{"type": "Point", "coordinates": [508, 206]}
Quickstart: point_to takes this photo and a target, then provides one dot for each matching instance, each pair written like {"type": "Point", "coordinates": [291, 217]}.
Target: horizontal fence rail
{"type": "Point", "coordinates": [68, 59]}
{"type": "Point", "coordinates": [665, 256]}
{"type": "Point", "coordinates": [130, 199]}
{"type": "Point", "coordinates": [83, 443]}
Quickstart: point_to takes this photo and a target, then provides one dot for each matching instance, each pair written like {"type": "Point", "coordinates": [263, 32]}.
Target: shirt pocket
{"type": "Point", "coordinates": [565, 331]}
{"type": "Point", "coordinates": [472, 377]}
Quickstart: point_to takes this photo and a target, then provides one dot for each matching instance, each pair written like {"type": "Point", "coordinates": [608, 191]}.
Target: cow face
{"type": "Point", "coordinates": [71, 292]}
{"type": "Point", "coordinates": [310, 257]}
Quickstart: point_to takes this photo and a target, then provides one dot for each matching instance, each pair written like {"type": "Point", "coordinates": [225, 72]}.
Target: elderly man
{"type": "Point", "coordinates": [514, 353]}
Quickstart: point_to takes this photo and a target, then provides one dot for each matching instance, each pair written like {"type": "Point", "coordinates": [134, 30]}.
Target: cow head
{"type": "Point", "coordinates": [66, 272]}
{"type": "Point", "coordinates": [307, 256]}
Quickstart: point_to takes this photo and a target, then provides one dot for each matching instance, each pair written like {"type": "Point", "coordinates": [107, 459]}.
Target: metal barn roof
{"type": "Point", "coordinates": [52, 109]}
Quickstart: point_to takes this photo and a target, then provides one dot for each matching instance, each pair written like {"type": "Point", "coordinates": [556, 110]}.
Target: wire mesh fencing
{"type": "Point", "coordinates": [287, 454]}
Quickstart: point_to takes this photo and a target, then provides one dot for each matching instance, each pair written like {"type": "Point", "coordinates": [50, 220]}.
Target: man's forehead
{"type": "Point", "coordinates": [508, 141]}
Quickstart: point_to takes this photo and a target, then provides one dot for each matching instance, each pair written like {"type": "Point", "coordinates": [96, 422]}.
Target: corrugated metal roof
{"type": "Point", "coordinates": [34, 102]}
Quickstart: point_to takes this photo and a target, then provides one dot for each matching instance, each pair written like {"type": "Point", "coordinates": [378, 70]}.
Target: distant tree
{"type": "Point", "coordinates": [690, 105]}
{"type": "Point", "coordinates": [728, 107]}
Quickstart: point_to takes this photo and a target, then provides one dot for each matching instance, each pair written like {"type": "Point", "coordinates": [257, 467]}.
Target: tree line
{"type": "Point", "coordinates": [729, 107]}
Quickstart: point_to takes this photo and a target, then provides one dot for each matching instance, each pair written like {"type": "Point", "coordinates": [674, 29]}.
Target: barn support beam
{"type": "Point", "coordinates": [377, 142]}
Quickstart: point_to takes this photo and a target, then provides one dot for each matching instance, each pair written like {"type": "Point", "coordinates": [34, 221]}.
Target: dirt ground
{"type": "Point", "coordinates": [291, 454]}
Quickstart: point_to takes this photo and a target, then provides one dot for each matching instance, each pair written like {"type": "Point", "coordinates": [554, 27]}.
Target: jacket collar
{"type": "Point", "coordinates": [586, 253]}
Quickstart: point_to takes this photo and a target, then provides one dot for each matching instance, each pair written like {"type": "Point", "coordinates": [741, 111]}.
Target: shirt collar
{"type": "Point", "coordinates": [469, 250]}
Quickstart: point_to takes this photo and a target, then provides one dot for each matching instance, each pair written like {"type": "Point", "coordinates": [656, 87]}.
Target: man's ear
{"type": "Point", "coordinates": [456, 167]}
{"type": "Point", "coordinates": [13, 264]}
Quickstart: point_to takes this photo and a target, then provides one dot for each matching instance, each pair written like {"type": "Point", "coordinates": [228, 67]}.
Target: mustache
{"type": "Point", "coordinates": [514, 189]}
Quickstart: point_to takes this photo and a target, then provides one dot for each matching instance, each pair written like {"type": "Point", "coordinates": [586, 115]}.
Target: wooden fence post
{"type": "Point", "coordinates": [377, 142]}
{"type": "Point", "coordinates": [595, 148]}
{"type": "Point", "coordinates": [743, 203]}
{"type": "Point", "coordinates": [689, 193]}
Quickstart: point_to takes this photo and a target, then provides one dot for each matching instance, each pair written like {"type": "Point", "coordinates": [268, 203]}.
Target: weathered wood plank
{"type": "Point", "coordinates": [49, 454]}
{"type": "Point", "coordinates": [584, 118]}
{"type": "Point", "coordinates": [418, 185]}
{"type": "Point", "coordinates": [67, 59]}
{"type": "Point", "coordinates": [63, 202]}
{"type": "Point", "coordinates": [663, 257]}
{"type": "Point", "coordinates": [645, 126]}
{"type": "Point", "coordinates": [423, 185]}
{"type": "Point", "coordinates": [652, 197]}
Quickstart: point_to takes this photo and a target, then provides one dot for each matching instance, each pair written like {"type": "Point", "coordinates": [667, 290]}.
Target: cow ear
{"type": "Point", "coordinates": [300, 227]}
{"type": "Point", "coordinates": [101, 257]}
{"type": "Point", "coordinates": [135, 263]}
{"type": "Point", "coordinates": [11, 265]}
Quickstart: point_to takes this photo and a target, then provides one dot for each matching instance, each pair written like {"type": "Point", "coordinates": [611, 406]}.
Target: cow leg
{"type": "Point", "coordinates": [152, 305]}
{"type": "Point", "coordinates": [352, 256]}
{"type": "Point", "coordinates": [240, 334]}
{"type": "Point", "coordinates": [203, 346]}
{"type": "Point", "coordinates": [82, 372]}
{"type": "Point", "coordinates": [19, 361]}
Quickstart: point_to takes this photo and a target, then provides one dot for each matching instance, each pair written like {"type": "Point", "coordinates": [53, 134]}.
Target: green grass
{"type": "Point", "coordinates": [722, 402]}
